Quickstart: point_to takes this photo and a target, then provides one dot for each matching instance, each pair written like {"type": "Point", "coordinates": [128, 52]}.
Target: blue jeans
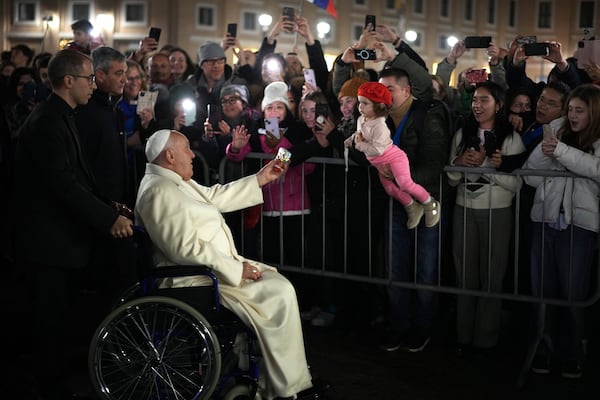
{"type": "Point", "coordinates": [564, 326]}
{"type": "Point", "coordinates": [405, 311]}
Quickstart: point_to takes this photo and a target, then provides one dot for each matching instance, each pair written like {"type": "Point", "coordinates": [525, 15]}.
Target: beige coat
{"type": "Point", "coordinates": [185, 224]}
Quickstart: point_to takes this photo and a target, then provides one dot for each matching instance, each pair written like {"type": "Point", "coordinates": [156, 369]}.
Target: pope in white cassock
{"type": "Point", "coordinates": [184, 221]}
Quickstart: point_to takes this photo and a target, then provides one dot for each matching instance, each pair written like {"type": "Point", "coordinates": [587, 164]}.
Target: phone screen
{"type": "Point", "coordinates": [370, 19]}
{"type": "Point", "coordinates": [154, 33]}
{"type": "Point", "coordinates": [232, 29]}
{"type": "Point", "coordinates": [272, 126]}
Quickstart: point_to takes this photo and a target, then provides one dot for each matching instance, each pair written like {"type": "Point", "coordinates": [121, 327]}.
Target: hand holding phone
{"type": "Point", "coordinates": [490, 144]}
{"type": "Point", "coordinates": [282, 159]}
{"type": "Point", "coordinates": [548, 132]}
{"type": "Point", "coordinates": [232, 30]}
{"type": "Point", "coordinates": [309, 77]}
{"type": "Point", "coordinates": [154, 33]}
{"type": "Point", "coordinates": [370, 22]}
{"type": "Point", "coordinates": [477, 42]}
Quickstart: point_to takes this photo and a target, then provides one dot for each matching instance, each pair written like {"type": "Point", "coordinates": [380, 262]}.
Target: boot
{"type": "Point", "coordinates": [432, 213]}
{"type": "Point", "coordinates": [414, 211]}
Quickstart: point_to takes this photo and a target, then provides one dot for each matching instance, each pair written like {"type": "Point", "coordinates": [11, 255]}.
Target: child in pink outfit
{"type": "Point", "coordinates": [373, 138]}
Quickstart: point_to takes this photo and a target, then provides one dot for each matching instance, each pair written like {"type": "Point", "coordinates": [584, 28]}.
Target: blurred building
{"type": "Point", "coordinates": [45, 24]}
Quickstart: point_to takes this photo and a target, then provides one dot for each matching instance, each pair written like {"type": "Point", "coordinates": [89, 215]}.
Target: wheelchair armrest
{"type": "Point", "coordinates": [178, 271]}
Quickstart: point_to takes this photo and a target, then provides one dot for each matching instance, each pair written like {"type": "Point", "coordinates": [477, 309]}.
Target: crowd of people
{"type": "Point", "coordinates": [73, 122]}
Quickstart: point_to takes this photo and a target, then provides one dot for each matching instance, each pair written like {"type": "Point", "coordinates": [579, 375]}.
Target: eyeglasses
{"type": "Point", "coordinates": [134, 78]}
{"type": "Point", "coordinates": [231, 100]}
{"type": "Point", "coordinates": [212, 63]}
{"type": "Point", "coordinates": [542, 102]}
{"type": "Point", "coordinates": [91, 78]}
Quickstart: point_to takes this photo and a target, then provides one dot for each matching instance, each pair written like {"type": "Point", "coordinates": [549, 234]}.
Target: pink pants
{"type": "Point", "coordinates": [403, 188]}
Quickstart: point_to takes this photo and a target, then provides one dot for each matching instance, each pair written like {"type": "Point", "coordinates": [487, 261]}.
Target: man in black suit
{"type": "Point", "coordinates": [61, 216]}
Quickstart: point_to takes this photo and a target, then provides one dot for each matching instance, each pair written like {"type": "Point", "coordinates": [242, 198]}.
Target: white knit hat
{"type": "Point", "coordinates": [275, 91]}
{"type": "Point", "coordinates": [157, 143]}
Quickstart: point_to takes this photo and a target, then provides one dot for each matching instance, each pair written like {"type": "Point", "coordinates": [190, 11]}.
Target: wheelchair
{"type": "Point", "coordinates": [172, 343]}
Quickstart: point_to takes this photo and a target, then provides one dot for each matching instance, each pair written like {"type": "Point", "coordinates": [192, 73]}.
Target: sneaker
{"type": "Point", "coordinates": [393, 341]}
{"type": "Point", "coordinates": [432, 213]}
{"type": "Point", "coordinates": [414, 211]}
{"type": "Point", "coordinates": [540, 364]}
{"type": "Point", "coordinates": [571, 369]}
{"type": "Point", "coordinates": [416, 343]}
{"type": "Point", "coordinates": [323, 319]}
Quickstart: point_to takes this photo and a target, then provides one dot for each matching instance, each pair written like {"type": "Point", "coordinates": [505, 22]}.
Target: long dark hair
{"type": "Point", "coordinates": [502, 128]}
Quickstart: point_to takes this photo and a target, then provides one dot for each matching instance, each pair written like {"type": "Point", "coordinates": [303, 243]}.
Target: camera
{"type": "Point", "coordinates": [536, 49]}
{"type": "Point", "coordinates": [477, 42]}
{"type": "Point", "coordinates": [365, 54]}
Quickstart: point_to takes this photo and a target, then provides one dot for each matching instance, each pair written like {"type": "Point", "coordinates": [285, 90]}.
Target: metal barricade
{"type": "Point", "coordinates": [373, 275]}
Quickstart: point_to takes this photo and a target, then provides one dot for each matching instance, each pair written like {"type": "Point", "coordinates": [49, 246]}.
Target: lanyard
{"type": "Point", "coordinates": [400, 128]}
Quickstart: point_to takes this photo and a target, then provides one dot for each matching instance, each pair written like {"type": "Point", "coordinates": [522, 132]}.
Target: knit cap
{"type": "Point", "coordinates": [350, 87]}
{"type": "Point", "coordinates": [376, 92]}
{"type": "Point", "coordinates": [210, 51]}
{"type": "Point", "coordinates": [275, 91]}
{"type": "Point", "coordinates": [238, 90]}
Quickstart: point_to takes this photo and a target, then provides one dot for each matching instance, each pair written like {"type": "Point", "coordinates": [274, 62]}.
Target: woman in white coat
{"type": "Point", "coordinates": [482, 218]}
{"type": "Point", "coordinates": [565, 219]}
{"type": "Point", "coordinates": [184, 221]}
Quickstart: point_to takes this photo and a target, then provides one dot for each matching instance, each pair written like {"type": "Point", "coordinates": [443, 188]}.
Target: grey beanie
{"type": "Point", "coordinates": [239, 90]}
{"type": "Point", "coordinates": [210, 51]}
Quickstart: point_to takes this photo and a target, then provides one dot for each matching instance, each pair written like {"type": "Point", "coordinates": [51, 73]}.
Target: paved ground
{"type": "Point", "coordinates": [347, 356]}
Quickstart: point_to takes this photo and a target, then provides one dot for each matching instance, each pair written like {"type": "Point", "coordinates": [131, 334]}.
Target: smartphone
{"type": "Point", "coordinates": [309, 76]}
{"type": "Point", "coordinates": [490, 144]}
{"type": "Point", "coordinates": [370, 19]}
{"type": "Point", "coordinates": [189, 111]}
{"type": "Point", "coordinates": [282, 159]}
{"type": "Point", "coordinates": [272, 126]}
{"type": "Point", "coordinates": [473, 142]}
{"type": "Point", "coordinates": [527, 39]}
{"type": "Point", "coordinates": [477, 42]}
{"type": "Point", "coordinates": [548, 132]}
{"type": "Point", "coordinates": [321, 114]}
{"type": "Point", "coordinates": [477, 76]}
{"type": "Point", "coordinates": [288, 13]}
{"type": "Point", "coordinates": [588, 52]}
{"type": "Point", "coordinates": [536, 49]}
{"type": "Point", "coordinates": [154, 33]}
{"type": "Point", "coordinates": [232, 29]}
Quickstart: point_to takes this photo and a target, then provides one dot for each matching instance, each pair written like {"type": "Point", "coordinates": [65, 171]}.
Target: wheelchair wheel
{"type": "Point", "coordinates": [241, 391]}
{"type": "Point", "coordinates": [155, 348]}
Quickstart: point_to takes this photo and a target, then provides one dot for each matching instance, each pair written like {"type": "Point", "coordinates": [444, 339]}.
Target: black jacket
{"type": "Point", "coordinates": [61, 213]}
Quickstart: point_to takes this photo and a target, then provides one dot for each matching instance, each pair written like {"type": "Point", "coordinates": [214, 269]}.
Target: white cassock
{"type": "Point", "coordinates": [186, 226]}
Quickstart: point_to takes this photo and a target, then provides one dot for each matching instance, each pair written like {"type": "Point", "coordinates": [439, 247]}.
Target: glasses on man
{"type": "Point", "coordinates": [230, 100]}
{"type": "Point", "coordinates": [212, 63]}
{"type": "Point", "coordinates": [91, 78]}
{"type": "Point", "coordinates": [134, 78]}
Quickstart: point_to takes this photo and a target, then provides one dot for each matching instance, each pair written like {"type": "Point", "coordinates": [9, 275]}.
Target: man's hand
{"type": "Point", "coordinates": [121, 228]}
{"type": "Point", "coordinates": [250, 272]}
{"type": "Point", "coordinates": [386, 171]}
{"type": "Point", "coordinates": [269, 173]}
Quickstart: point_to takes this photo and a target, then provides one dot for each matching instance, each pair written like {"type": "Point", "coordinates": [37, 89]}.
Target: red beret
{"type": "Point", "coordinates": [376, 92]}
